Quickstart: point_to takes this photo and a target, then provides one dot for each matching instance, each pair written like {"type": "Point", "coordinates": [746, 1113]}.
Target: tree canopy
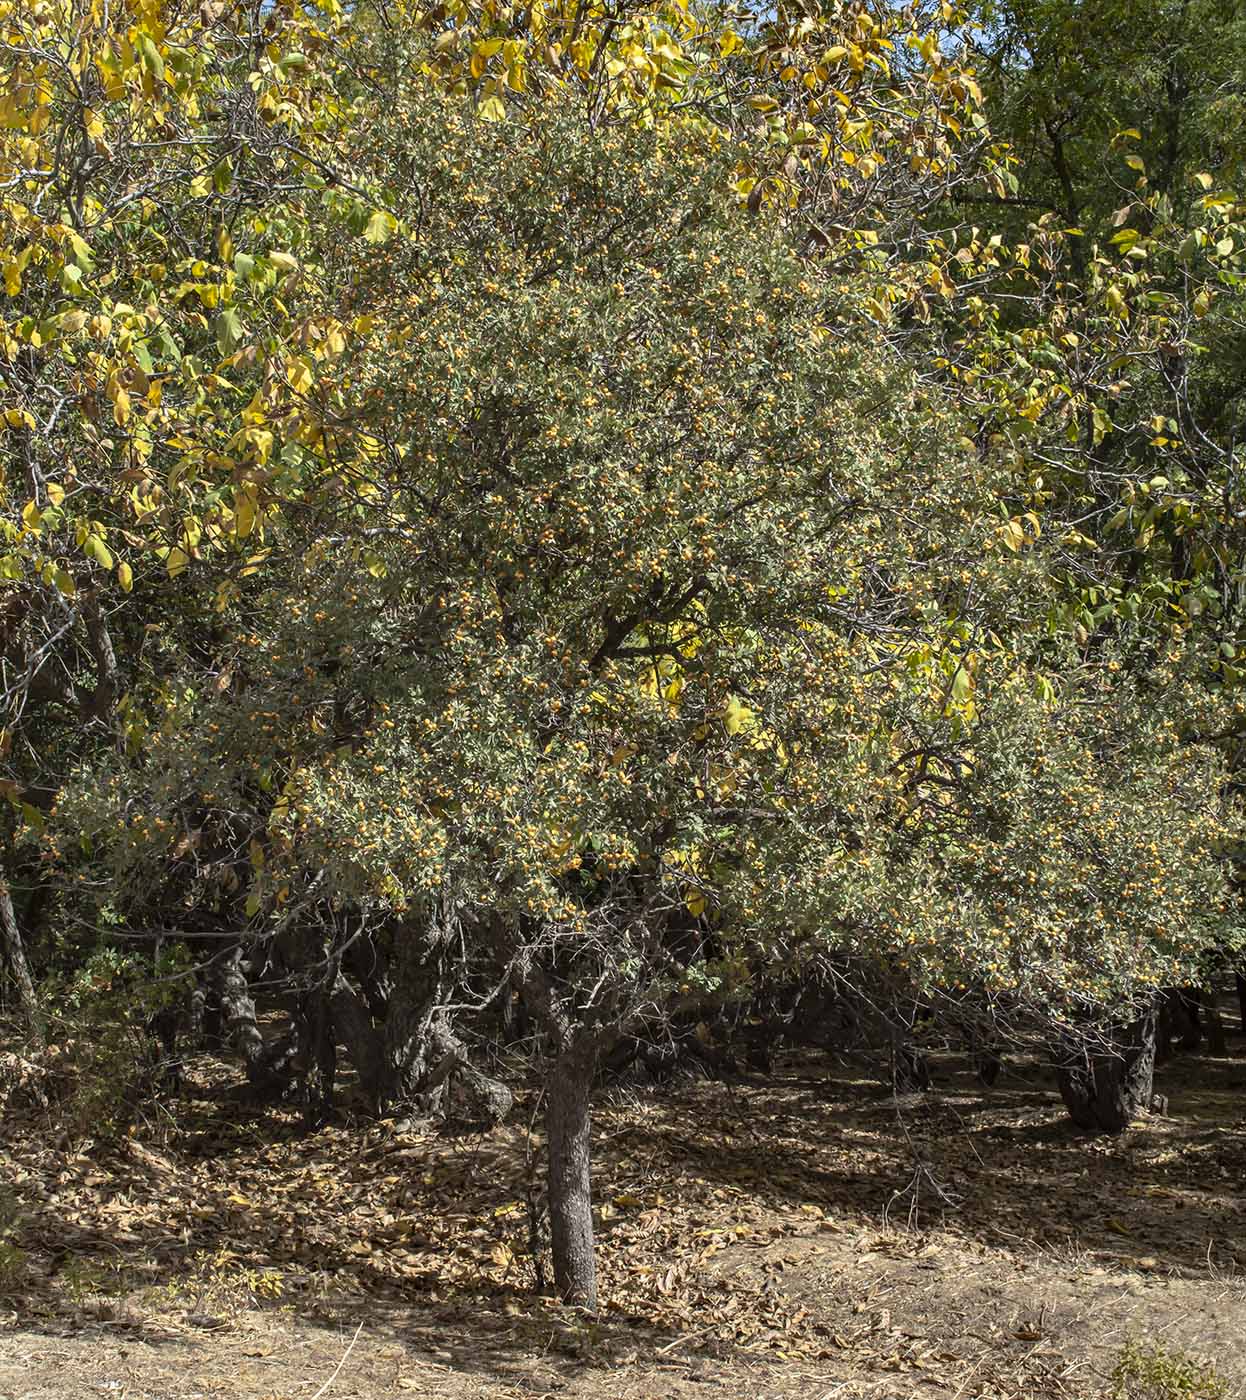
{"type": "Point", "coordinates": [611, 505]}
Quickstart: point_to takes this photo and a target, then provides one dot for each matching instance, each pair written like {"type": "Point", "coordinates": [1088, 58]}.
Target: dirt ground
{"type": "Point", "coordinates": [799, 1235]}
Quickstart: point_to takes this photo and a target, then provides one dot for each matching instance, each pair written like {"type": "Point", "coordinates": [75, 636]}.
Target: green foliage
{"type": "Point", "coordinates": [101, 1055]}
{"type": "Point", "coordinates": [1151, 1372]}
{"type": "Point", "coordinates": [571, 572]}
{"type": "Point", "coordinates": [608, 503]}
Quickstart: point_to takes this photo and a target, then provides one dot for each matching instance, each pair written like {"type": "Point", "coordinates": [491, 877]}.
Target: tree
{"type": "Point", "coordinates": [576, 588]}
{"type": "Point", "coordinates": [574, 566]}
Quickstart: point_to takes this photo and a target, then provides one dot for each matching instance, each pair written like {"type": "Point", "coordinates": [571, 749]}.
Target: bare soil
{"type": "Point", "coordinates": [799, 1235]}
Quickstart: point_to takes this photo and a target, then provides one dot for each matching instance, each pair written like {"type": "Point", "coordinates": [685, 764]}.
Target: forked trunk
{"type": "Point", "coordinates": [568, 1127]}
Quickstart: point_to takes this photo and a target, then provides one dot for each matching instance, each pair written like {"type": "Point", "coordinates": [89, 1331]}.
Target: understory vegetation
{"type": "Point", "coordinates": [549, 548]}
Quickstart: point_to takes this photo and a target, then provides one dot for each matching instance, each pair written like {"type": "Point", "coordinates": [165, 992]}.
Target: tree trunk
{"type": "Point", "coordinates": [1178, 1021]}
{"type": "Point", "coordinates": [19, 968]}
{"type": "Point", "coordinates": [417, 1037]}
{"type": "Point", "coordinates": [238, 1014]}
{"type": "Point", "coordinates": [1240, 980]}
{"type": "Point", "coordinates": [316, 1014]}
{"type": "Point", "coordinates": [352, 1023]}
{"type": "Point", "coordinates": [1108, 1079]}
{"type": "Point", "coordinates": [568, 1127]}
{"type": "Point", "coordinates": [1216, 1043]}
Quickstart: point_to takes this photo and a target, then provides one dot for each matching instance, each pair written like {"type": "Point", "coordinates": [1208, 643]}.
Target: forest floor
{"type": "Point", "coordinates": [795, 1235]}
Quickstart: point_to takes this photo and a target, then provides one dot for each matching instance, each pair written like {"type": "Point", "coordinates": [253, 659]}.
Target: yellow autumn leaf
{"type": "Point", "coordinates": [736, 716]}
{"type": "Point", "coordinates": [244, 514]}
{"type": "Point", "coordinates": [299, 376]}
{"type": "Point", "coordinates": [381, 226]}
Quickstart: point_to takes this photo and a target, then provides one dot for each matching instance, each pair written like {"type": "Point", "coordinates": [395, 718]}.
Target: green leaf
{"type": "Point", "coordinates": [228, 330]}
{"type": "Point", "coordinates": [149, 56]}
{"type": "Point", "coordinates": [381, 227]}
{"type": "Point", "coordinates": [95, 548]}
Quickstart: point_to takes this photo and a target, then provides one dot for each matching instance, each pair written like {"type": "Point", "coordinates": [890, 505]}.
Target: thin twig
{"type": "Point", "coordinates": [340, 1364]}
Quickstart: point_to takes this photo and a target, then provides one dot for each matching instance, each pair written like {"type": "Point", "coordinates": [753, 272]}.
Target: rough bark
{"type": "Point", "coordinates": [414, 1044]}
{"type": "Point", "coordinates": [238, 1013]}
{"type": "Point", "coordinates": [19, 968]}
{"type": "Point", "coordinates": [568, 1124]}
{"type": "Point", "coordinates": [1108, 1079]}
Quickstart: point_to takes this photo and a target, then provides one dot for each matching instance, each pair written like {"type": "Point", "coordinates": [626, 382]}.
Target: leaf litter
{"type": "Point", "coordinates": [771, 1234]}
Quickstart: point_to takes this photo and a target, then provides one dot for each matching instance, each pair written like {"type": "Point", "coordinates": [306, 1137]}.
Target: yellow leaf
{"type": "Point", "coordinates": [299, 376]}
{"type": "Point", "coordinates": [492, 109]}
{"type": "Point", "coordinates": [244, 514]}
{"type": "Point", "coordinates": [736, 716]}
{"type": "Point", "coordinates": [121, 408]}
{"type": "Point", "coordinates": [12, 278]}
{"type": "Point", "coordinates": [381, 226]}
{"type": "Point", "coordinates": [176, 561]}
{"type": "Point", "coordinates": [125, 577]}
